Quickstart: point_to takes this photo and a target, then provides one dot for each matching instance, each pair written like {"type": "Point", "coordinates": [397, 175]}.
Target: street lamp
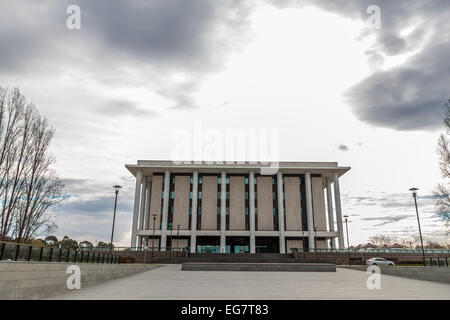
{"type": "Point", "coordinates": [178, 232]}
{"type": "Point", "coordinates": [153, 237]}
{"type": "Point", "coordinates": [414, 193]}
{"type": "Point", "coordinates": [116, 187]}
{"type": "Point", "coordinates": [348, 242]}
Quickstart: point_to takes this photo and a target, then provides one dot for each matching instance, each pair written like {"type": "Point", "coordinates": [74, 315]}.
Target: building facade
{"type": "Point", "coordinates": [237, 207]}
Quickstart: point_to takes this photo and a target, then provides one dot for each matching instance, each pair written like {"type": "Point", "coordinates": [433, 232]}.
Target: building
{"type": "Point", "coordinates": [237, 207]}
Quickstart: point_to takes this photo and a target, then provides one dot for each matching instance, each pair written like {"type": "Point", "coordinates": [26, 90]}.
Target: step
{"type": "Point", "coordinates": [271, 267]}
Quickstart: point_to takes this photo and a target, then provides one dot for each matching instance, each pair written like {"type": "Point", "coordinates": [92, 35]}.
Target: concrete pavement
{"type": "Point", "coordinates": [169, 282]}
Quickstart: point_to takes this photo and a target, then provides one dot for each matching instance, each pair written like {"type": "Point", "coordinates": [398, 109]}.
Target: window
{"type": "Point", "coordinates": [246, 195]}
{"type": "Point", "coordinates": [246, 180]}
{"type": "Point", "coordinates": [200, 195]}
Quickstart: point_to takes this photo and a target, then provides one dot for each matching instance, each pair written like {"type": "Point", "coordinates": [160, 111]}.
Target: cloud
{"type": "Point", "coordinates": [409, 96]}
{"type": "Point", "coordinates": [383, 220]}
{"type": "Point", "coordinates": [135, 42]}
{"type": "Point", "coordinates": [342, 147]}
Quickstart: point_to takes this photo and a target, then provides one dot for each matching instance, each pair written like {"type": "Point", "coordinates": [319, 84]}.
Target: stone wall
{"type": "Point", "coordinates": [37, 280]}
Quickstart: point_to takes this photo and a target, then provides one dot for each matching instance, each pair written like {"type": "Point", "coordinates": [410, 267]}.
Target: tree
{"type": "Point", "coordinates": [67, 243]}
{"type": "Point", "coordinates": [381, 240]}
{"type": "Point", "coordinates": [86, 245]}
{"type": "Point", "coordinates": [103, 245]}
{"type": "Point", "coordinates": [28, 185]}
{"type": "Point", "coordinates": [442, 193]}
{"type": "Point", "coordinates": [51, 241]}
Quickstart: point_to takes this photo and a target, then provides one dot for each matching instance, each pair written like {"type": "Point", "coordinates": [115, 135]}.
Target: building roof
{"type": "Point", "coordinates": [149, 167]}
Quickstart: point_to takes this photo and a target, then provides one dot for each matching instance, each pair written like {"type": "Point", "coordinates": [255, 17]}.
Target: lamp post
{"type": "Point", "coordinates": [414, 193]}
{"type": "Point", "coordinates": [153, 237]}
{"type": "Point", "coordinates": [171, 246]}
{"type": "Point", "coordinates": [178, 233]}
{"type": "Point", "coordinates": [116, 187]}
{"type": "Point", "coordinates": [348, 242]}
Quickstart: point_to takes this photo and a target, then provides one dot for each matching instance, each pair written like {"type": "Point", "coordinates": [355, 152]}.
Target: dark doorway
{"type": "Point", "coordinates": [267, 245]}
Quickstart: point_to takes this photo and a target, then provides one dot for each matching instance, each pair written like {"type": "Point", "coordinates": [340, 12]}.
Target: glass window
{"type": "Point", "coordinates": [219, 180]}
{"type": "Point", "coordinates": [246, 211]}
{"type": "Point", "coordinates": [228, 195]}
{"type": "Point", "coordinates": [190, 195]}
{"type": "Point", "coordinates": [246, 195]}
{"type": "Point", "coordinates": [200, 195]}
{"type": "Point", "coordinates": [172, 195]}
{"type": "Point", "coordinates": [200, 180]}
{"type": "Point", "coordinates": [246, 180]}
{"type": "Point", "coordinates": [218, 210]}
{"type": "Point", "coordinates": [218, 195]}
{"type": "Point", "coordinates": [228, 180]}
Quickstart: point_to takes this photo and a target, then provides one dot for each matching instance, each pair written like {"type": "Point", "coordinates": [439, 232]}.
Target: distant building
{"type": "Point", "coordinates": [224, 208]}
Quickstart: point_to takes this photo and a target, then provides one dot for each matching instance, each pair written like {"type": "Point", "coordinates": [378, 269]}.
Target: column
{"type": "Point", "coordinates": [142, 209]}
{"type": "Point", "coordinates": [251, 204]}
{"type": "Point", "coordinates": [281, 212]}
{"type": "Point", "coordinates": [337, 203]}
{"type": "Point", "coordinates": [165, 210]}
{"type": "Point", "coordinates": [223, 211]}
{"type": "Point", "coordinates": [330, 211]}
{"type": "Point", "coordinates": [309, 210]}
{"type": "Point", "coordinates": [137, 200]}
{"type": "Point", "coordinates": [147, 207]}
{"type": "Point", "coordinates": [194, 212]}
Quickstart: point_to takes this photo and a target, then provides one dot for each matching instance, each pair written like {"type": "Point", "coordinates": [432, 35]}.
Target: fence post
{"type": "Point", "coordinates": [29, 253]}
{"type": "Point", "coordinates": [17, 252]}
{"type": "Point", "coordinates": [40, 253]}
{"type": "Point", "coordinates": [2, 249]}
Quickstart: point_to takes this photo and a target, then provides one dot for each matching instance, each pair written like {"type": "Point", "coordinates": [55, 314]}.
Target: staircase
{"type": "Point", "coordinates": [227, 258]}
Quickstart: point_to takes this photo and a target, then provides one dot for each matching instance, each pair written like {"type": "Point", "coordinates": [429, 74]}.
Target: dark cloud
{"type": "Point", "coordinates": [342, 147]}
{"type": "Point", "coordinates": [410, 96]}
{"type": "Point", "coordinates": [387, 219]}
{"type": "Point", "coordinates": [155, 38]}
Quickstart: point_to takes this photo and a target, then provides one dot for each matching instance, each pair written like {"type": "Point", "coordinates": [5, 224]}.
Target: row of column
{"type": "Point", "coordinates": [142, 205]}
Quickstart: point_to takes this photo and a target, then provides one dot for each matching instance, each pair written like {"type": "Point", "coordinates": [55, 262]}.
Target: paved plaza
{"type": "Point", "coordinates": [169, 282]}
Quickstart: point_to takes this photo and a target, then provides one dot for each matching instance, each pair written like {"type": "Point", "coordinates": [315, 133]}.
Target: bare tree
{"type": "Point", "coordinates": [28, 185]}
{"type": "Point", "coordinates": [442, 193]}
{"type": "Point", "coordinates": [382, 241]}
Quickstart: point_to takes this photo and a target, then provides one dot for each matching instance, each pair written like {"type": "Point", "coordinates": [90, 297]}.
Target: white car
{"type": "Point", "coordinates": [379, 262]}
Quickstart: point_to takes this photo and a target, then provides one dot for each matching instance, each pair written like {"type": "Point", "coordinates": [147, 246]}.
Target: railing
{"type": "Point", "coordinates": [24, 252]}
{"type": "Point", "coordinates": [372, 250]}
{"type": "Point", "coordinates": [125, 249]}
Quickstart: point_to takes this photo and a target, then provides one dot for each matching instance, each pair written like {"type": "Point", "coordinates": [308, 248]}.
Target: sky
{"type": "Point", "coordinates": [331, 79]}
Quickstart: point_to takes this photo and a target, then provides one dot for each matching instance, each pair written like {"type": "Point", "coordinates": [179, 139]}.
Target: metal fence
{"type": "Point", "coordinates": [373, 250]}
{"type": "Point", "coordinates": [23, 252]}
